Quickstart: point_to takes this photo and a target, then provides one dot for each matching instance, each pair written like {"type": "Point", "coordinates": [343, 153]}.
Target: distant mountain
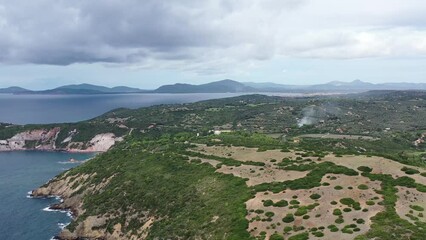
{"type": "Point", "coordinates": [336, 86]}
{"type": "Point", "coordinates": [224, 86]}
{"type": "Point", "coordinates": [88, 89]}
{"type": "Point", "coordinates": [227, 86]}
{"type": "Point", "coordinates": [13, 90]}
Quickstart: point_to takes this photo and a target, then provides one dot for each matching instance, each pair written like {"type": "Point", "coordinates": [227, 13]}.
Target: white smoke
{"type": "Point", "coordinates": [309, 116]}
{"type": "Point", "coordinates": [314, 114]}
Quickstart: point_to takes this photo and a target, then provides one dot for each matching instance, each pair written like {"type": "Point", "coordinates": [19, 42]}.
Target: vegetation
{"type": "Point", "coordinates": [150, 176]}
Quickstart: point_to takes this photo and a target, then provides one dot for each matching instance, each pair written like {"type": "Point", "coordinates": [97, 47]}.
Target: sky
{"type": "Point", "coordinates": [49, 43]}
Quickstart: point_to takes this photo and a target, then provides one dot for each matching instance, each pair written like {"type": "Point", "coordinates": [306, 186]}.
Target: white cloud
{"type": "Point", "coordinates": [207, 37]}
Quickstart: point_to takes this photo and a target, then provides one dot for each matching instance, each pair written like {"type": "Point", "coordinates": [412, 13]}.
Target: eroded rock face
{"type": "Point", "coordinates": [41, 139]}
{"type": "Point", "coordinates": [45, 139]}
{"type": "Point", "coordinates": [99, 143]}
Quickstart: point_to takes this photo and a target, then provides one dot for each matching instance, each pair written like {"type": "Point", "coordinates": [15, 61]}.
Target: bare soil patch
{"type": "Point", "coordinates": [321, 215]}
{"type": "Point", "coordinates": [379, 165]}
{"type": "Point", "coordinates": [411, 197]}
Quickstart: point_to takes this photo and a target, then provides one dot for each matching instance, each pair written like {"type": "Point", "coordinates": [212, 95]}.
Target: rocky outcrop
{"type": "Point", "coordinates": [41, 139]}
{"type": "Point", "coordinates": [99, 143]}
{"type": "Point", "coordinates": [72, 189]}
{"type": "Point", "coordinates": [45, 139]}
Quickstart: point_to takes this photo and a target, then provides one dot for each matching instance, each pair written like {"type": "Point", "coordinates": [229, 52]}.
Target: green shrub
{"type": "Point", "coordinates": [337, 212]}
{"type": "Point", "coordinates": [417, 208]}
{"type": "Point", "coordinates": [318, 234]}
{"type": "Point", "coordinates": [339, 220]}
{"type": "Point", "coordinates": [269, 214]}
{"type": "Point", "coordinates": [363, 187]}
{"type": "Point", "coordinates": [288, 218]}
{"type": "Point", "coordinates": [365, 169]}
{"type": "Point", "coordinates": [409, 171]}
{"type": "Point", "coordinates": [259, 211]}
{"type": "Point", "coordinates": [276, 236]}
{"type": "Point", "coordinates": [301, 211]}
{"type": "Point", "coordinates": [315, 196]}
{"type": "Point", "coordinates": [281, 203]}
{"type": "Point", "coordinates": [300, 236]}
{"type": "Point", "coordinates": [268, 203]}
{"type": "Point", "coordinates": [360, 221]}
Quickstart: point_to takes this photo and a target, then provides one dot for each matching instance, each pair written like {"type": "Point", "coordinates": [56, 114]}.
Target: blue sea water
{"type": "Point", "coordinates": [23, 218]}
{"type": "Point", "coordinates": [25, 109]}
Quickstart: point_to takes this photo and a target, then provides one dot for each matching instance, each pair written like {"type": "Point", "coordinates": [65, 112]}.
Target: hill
{"type": "Point", "coordinates": [228, 86]}
{"type": "Point", "coordinates": [14, 90]}
{"type": "Point", "coordinates": [224, 86]}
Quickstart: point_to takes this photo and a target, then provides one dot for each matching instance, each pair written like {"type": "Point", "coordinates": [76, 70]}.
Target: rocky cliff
{"type": "Point", "coordinates": [46, 139]}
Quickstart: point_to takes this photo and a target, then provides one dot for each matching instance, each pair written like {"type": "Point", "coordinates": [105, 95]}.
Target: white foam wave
{"type": "Point", "coordinates": [48, 209]}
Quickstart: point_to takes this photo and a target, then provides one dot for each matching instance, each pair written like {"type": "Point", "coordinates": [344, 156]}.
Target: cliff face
{"type": "Point", "coordinates": [36, 139]}
{"type": "Point", "coordinates": [72, 202]}
{"type": "Point", "coordinates": [72, 189]}
{"type": "Point", "coordinates": [45, 139]}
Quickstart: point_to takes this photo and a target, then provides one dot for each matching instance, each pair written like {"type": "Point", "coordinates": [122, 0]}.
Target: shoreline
{"type": "Point", "coordinates": [51, 150]}
{"type": "Point", "coordinates": [56, 208]}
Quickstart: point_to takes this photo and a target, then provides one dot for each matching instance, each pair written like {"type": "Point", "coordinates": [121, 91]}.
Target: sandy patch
{"type": "Point", "coordinates": [407, 197]}
{"type": "Point", "coordinates": [338, 136]}
{"type": "Point", "coordinates": [243, 153]}
{"type": "Point", "coordinates": [261, 174]}
{"type": "Point", "coordinates": [321, 215]}
{"type": "Point", "coordinates": [379, 165]}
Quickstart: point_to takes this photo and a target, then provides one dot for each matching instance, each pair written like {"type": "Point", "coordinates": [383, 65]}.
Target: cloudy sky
{"type": "Point", "coordinates": [47, 43]}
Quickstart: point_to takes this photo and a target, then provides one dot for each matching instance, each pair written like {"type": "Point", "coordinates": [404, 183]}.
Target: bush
{"type": "Point", "coordinates": [337, 212]}
{"type": "Point", "coordinates": [268, 203]}
{"type": "Point", "coordinates": [275, 236]}
{"type": "Point", "coordinates": [338, 187]}
{"type": "Point", "coordinates": [339, 220]}
{"type": "Point", "coordinates": [360, 221]}
{"type": "Point", "coordinates": [347, 209]}
{"type": "Point", "coordinates": [300, 236]}
{"type": "Point", "coordinates": [365, 169]}
{"type": "Point", "coordinates": [288, 218]}
{"type": "Point", "coordinates": [315, 196]}
{"type": "Point", "coordinates": [281, 203]}
{"type": "Point", "coordinates": [269, 214]}
{"type": "Point", "coordinates": [318, 234]}
{"type": "Point", "coordinates": [363, 187]}
{"type": "Point", "coordinates": [417, 208]}
{"type": "Point", "coordinates": [301, 211]}
{"type": "Point", "coordinates": [409, 171]}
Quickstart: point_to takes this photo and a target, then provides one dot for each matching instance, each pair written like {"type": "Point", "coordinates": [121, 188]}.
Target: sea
{"type": "Point", "coordinates": [22, 217]}
{"type": "Point", "coordinates": [25, 218]}
{"type": "Point", "coordinates": [31, 109]}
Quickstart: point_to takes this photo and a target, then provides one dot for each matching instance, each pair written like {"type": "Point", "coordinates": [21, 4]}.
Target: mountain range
{"type": "Point", "coordinates": [226, 86]}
